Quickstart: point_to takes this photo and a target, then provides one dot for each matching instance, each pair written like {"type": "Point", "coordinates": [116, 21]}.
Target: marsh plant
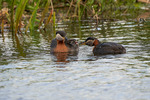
{"type": "Point", "coordinates": [23, 16]}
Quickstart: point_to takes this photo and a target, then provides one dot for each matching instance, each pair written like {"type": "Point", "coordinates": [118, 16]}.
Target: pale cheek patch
{"type": "Point", "coordinates": [90, 42]}
{"type": "Point", "coordinates": [59, 37]}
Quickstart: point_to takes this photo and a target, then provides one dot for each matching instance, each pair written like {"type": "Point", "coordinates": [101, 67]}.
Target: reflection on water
{"type": "Point", "coordinates": [29, 71]}
{"type": "Point", "coordinates": [61, 57]}
{"type": "Point", "coordinates": [64, 57]}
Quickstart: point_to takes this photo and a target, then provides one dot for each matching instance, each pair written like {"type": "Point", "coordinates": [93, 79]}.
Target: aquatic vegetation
{"type": "Point", "coordinates": [54, 17]}
{"type": "Point", "coordinates": [19, 13]}
{"type": "Point", "coordinates": [44, 12]}
{"type": "Point", "coordinates": [12, 15]}
{"type": "Point", "coordinates": [32, 18]}
{"type": "Point", "coordinates": [96, 8]}
{"type": "Point", "coordinates": [2, 29]}
{"type": "Point", "coordinates": [25, 13]}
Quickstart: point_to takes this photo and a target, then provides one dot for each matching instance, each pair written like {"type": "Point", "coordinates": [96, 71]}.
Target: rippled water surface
{"type": "Point", "coordinates": [29, 72]}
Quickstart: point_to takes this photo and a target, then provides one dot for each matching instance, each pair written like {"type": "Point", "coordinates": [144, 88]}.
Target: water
{"type": "Point", "coordinates": [29, 72]}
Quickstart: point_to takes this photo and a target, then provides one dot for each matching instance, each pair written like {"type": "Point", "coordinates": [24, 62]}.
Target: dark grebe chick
{"type": "Point", "coordinates": [104, 48]}
{"type": "Point", "coordinates": [72, 45]}
{"type": "Point", "coordinates": [62, 44]}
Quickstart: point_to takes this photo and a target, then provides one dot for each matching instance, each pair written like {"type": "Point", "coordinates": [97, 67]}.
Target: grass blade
{"type": "Point", "coordinates": [79, 11]}
{"type": "Point", "coordinates": [44, 12]}
{"type": "Point", "coordinates": [19, 13]}
{"type": "Point", "coordinates": [1, 4]}
{"type": "Point", "coordinates": [49, 18]}
{"type": "Point", "coordinates": [12, 16]}
{"type": "Point", "coordinates": [69, 8]}
{"type": "Point", "coordinates": [54, 22]}
{"type": "Point", "coordinates": [32, 18]}
{"type": "Point", "coordinates": [2, 29]}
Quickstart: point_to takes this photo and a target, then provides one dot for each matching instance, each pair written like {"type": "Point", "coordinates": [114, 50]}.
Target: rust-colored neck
{"type": "Point", "coordinates": [61, 47]}
{"type": "Point", "coordinates": [60, 42]}
{"type": "Point", "coordinates": [96, 42]}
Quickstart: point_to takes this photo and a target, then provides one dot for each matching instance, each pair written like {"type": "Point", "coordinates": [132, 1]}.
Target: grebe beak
{"type": "Point", "coordinates": [83, 43]}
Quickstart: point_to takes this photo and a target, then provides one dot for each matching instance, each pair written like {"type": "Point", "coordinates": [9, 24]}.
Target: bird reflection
{"type": "Point", "coordinates": [65, 56]}
{"type": "Point", "coordinates": [61, 57]}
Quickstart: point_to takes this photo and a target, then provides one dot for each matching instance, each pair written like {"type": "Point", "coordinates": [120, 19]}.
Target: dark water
{"type": "Point", "coordinates": [29, 72]}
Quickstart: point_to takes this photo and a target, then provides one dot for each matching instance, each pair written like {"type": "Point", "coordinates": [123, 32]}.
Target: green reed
{"type": "Point", "coordinates": [79, 11]}
{"type": "Point", "coordinates": [0, 4]}
{"type": "Point", "coordinates": [50, 15]}
{"type": "Point", "coordinates": [76, 8]}
{"type": "Point", "coordinates": [96, 8]}
{"type": "Point", "coordinates": [2, 29]}
{"type": "Point", "coordinates": [32, 18]}
{"type": "Point", "coordinates": [44, 12]}
{"type": "Point", "coordinates": [19, 13]}
{"type": "Point", "coordinates": [12, 15]}
{"type": "Point", "coordinates": [54, 23]}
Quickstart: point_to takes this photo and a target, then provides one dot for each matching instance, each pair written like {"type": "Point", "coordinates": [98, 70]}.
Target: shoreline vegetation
{"type": "Point", "coordinates": [16, 15]}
